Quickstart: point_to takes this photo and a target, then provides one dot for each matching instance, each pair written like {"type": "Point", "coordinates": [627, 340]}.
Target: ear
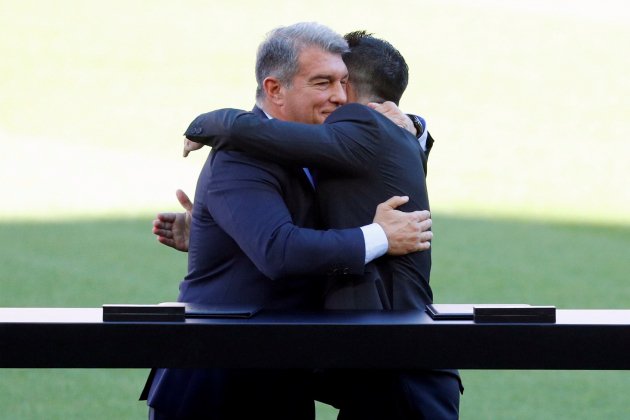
{"type": "Point", "coordinates": [273, 90]}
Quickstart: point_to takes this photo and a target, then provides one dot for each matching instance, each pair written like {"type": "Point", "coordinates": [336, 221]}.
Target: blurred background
{"type": "Point", "coordinates": [529, 103]}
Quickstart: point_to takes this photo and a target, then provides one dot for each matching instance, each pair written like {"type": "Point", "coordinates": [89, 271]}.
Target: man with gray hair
{"type": "Point", "coordinates": [253, 241]}
{"type": "Point", "coordinates": [360, 158]}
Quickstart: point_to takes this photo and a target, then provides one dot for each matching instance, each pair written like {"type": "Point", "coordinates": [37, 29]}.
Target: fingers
{"type": "Point", "coordinates": [410, 234]}
{"type": "Point", "coordinates": [163, 233]}
{"type": "Point", "coordinates": [418, 215]}
{"type": "Point", "coordinates": [166, 241]}
{"type": "Point", "coordinates": [382, 108]}
{"type": "Point", "coordinates": [388, 108]}
{"type": "Point", "coordinates": [421, 230]}
{"type": "Point", "coordinates": [395, 201]}
{"type": "Point", "coordinates": [424, 215]}
{"type": "Point", "coordinates": [191, 146]}
{"type": "Point", "coordinates": [411, 243]}
{"type": "Point", "coordinates": [425, 240]}
{"type": "Point", "coordinates": [187, 148]}
{"type": "Point", "coordinates": [423, 246]}
{"type": "Point", "coordinates": [163, 225]}
{"type": "Point", "coordinates": [421, 242]}
{"type": "Point", "coordinates": [161, 228]}
{"type": "Point", "coordinates": [184, 200]}
{"type": "Point", "coordinates": [165, 218]}
{"type": "Point", "coordinates": [424, 235]}
{"type": "Point", "coordinates": [159, 225]}
{"type": "Point", "coordinates": [425, 225]}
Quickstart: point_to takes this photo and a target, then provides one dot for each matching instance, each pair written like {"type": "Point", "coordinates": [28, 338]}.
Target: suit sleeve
{"type": "Point", "coordinates": [346, 143]}
{"type": "Point", "coordinates": [245, 199]}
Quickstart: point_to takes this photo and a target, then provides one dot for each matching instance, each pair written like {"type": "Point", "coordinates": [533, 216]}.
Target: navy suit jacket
{"type": "Point", "coordinates": [252, 237]}
{"type": "Point", "coordinates": [246, 249]}
{"type": "Point", "coordinates": [360, 159]}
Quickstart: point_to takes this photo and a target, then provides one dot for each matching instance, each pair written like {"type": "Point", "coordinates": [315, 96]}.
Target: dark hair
{"type": "Point", "coordinates": [378, 72]}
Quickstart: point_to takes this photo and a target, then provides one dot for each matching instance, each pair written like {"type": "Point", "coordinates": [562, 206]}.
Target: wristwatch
{"type": "Point", "coordinates": [417, 124]}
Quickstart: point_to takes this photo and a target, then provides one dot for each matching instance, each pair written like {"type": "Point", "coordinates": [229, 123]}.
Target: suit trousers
{"type": "Point", "coordinates": [237, 394]}
{"type": "Point", "coordinates": [361, 394]}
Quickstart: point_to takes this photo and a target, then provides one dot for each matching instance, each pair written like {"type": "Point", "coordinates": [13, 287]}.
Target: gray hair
{"type": "Point", "coordinates": [278, 54]}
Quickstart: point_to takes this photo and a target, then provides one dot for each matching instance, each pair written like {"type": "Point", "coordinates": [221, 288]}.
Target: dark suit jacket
{"type": "Point", "coordinates": [360, 159]}
{"type": "Point", "coordinates": [246, 248]}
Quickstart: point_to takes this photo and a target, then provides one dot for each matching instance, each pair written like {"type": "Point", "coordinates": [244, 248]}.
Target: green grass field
{"type": "Point", "coordinates": [92, 262]}
{"type": "Point", "coordinates": [528, 101]}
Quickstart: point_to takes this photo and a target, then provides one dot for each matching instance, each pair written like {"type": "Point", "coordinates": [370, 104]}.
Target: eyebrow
{"type": "Point", "coordinates": [327, 76]}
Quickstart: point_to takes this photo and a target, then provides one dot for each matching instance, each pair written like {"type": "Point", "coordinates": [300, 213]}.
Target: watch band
{"type": "Point", "coordinates": [417, 125]}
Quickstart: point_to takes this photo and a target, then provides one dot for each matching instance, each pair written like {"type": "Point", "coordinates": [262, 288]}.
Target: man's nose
{"type": "Point", "coordinates": [338, 95]}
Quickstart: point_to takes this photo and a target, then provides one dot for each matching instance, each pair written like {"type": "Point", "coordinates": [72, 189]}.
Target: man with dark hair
{"type": "Point", "coordinates": [252, 238]}
{"type": "Point", "coordinates": [359, 157]}
{"type": "Point", "coordinates": [378, 73]}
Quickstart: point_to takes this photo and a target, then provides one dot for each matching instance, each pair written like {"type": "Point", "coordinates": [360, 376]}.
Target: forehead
{"type": "Point", "coordinates": [315, 62]}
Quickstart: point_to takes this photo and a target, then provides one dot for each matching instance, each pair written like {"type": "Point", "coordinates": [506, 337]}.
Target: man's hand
{"type": "Point", "coordinates": [406, 232]}
{"type": "Point", "coordinates": [173, 229]}
{"type": "Point", "coordinates": [391, 111]}
{"type": "Point", "coordinates": [190, 146]}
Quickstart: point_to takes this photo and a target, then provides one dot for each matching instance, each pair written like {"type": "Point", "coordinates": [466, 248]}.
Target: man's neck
{"type": "Point", "coordinates": [267, 114]}
{"type": "Point", "coordinates": [364, 100]}
{"type": "Point", "coordinates": [269, 110]}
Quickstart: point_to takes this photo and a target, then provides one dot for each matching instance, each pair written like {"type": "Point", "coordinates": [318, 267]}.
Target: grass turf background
{"type": "Point", "coordinates": [88, 263]}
